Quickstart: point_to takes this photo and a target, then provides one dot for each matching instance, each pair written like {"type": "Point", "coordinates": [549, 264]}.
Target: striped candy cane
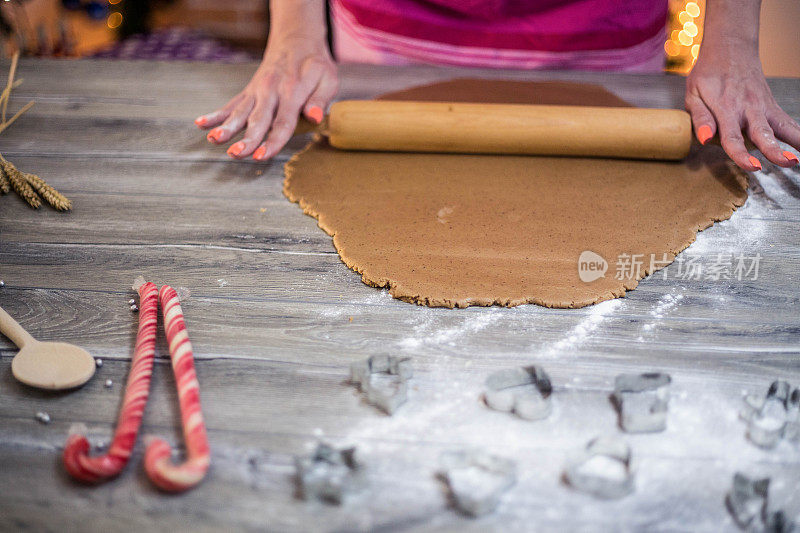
{"type": "Point", "coordinates": [160, 469]}
{"type": "Point", "coordinates": [76, 450]}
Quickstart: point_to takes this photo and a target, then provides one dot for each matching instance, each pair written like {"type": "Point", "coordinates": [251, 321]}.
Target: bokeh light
{"type": "Point", "coordinates": [114, 20]}
{"type": "Point", "coordinates": [672, 48]}
{"type": "Point", "coordinates": [684, 17]}
{"type": "Point", "coordinates": [693, 9]}
{"type": "Point", "coordinates": [684, 34]}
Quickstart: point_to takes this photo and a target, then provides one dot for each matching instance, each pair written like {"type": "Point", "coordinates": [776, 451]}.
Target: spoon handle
{"type": "Point", "coordinates": [11, 329]}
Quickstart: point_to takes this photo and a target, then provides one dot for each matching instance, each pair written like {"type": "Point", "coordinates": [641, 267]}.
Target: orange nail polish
{"type": "Point", "coordinates": [201, 121]}
{"type": "Point", "coordinates": [236, 149]}
{"type": "Point", "coordinates": [704, 133]}
{"type": "Point", "coordinates": [755, 162]}
{"type": "Point", "coordinates": [260, 152]}
{"type": "Point", "coordinates": [315, 113]}
{"type": "Point", "coordinates": [790, 156]}
{"type": "Point", "coordinates": [214, 134]}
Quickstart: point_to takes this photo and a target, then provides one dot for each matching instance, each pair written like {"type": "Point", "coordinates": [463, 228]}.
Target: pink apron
{"type": "Point", "coordinates": [517, 34]}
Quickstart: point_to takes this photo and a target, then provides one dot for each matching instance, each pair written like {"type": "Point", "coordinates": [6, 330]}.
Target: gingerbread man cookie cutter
{"type": "Point", "coordinates": [774, 416]}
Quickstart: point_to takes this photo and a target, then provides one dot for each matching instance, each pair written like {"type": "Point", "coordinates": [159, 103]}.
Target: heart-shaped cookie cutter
{"type": "Point", "coordinates": [504, 392]}
{"type": "Point", "coordinates": [603, 469]}
{"type": "Point", "coordinates": [476, 480]}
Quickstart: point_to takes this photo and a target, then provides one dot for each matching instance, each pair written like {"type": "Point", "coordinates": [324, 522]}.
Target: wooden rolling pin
{"type": "Point", "coordinates": [622, 132]}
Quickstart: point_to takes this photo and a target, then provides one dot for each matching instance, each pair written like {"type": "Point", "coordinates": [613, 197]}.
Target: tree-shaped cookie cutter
{"type": "Point", "coordinates": [505, 392]}
{"type": "Point", "coordinates": [383, 379]}
{"type": "Point", "coordinates": [774, 416]}
{"type": "Point", "coordinates": [603, 469]}
{"type": "Point", "coordinates": [476, 480]}
{"type": "Point", "coordinates": [329, 474]}
{"type": "Point", "coordinates": [642, 401]}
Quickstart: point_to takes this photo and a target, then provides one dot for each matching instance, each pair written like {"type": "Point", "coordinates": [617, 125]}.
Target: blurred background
{"type": "Point", "coordinates": [236, 30]}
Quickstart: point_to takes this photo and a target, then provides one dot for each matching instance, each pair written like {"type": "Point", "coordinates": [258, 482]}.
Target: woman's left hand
{"type": "Point", "coordinates": [726, 94]}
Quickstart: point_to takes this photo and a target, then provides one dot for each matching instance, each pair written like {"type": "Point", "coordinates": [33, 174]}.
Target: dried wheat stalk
{"type": "Point", "coordinates": [51, 196]}
{"type": "Point", "coordinates": [5, 185]}
{"type": "Point", "coordinates": [25, 184]}
{"type": "Point", "coordinates": [21, 185]}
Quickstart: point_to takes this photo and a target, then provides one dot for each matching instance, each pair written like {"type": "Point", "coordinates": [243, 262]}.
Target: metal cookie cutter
{"type": "Point", "coordinates": [747, 499]}
{"type": "Point", "coordinates": [603, 470]}
{"type": "Point", "coordinates": [791, 431]}
{"type": "Point", "coordinates": [642, 401]}
{"type": "Point", "coordinates": [774, 416]}
{"type": "Point", "coordinates": [329, 474]}
{"type": "Point", "coordinates": [504, 392]}
{"type": "Point", "coordinates": [748, 503]}
{"type": "Point", "coordinates": [383, 379]}
{"type": "Point", "coordinates": [476, 480]}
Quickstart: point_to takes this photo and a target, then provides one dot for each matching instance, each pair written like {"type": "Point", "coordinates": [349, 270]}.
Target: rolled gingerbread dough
{"type": "Point", "coordinates": [458, 230]}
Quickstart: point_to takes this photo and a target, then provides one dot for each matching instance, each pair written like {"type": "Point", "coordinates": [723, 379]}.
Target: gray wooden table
{"type": "Point", "coordinates": [276, 318]}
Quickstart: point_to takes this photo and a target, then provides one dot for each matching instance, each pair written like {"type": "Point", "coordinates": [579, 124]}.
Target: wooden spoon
{"type": "Point", "coordinates": [46, 365]}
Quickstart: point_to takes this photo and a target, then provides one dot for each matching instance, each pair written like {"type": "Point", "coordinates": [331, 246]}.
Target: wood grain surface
{"type": "Point", "coordinates": [275, 319]}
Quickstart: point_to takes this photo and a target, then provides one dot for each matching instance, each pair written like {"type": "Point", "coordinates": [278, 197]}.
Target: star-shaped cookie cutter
{"type": "Point", "coordinates": [370, 376]}
{"type": "Point", "coordinates": [504, 392]}
{"type": "Point", "coordinates": [329, 474]}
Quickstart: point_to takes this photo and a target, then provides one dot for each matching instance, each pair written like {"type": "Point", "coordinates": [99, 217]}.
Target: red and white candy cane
{"type": "Point", "coordinates": [76, 450]}
{"type": "Point", "coordinates": [160, 469]}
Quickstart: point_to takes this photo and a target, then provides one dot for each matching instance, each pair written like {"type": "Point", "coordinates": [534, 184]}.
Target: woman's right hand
{"type": "Point", "coordinates": [297, 74]}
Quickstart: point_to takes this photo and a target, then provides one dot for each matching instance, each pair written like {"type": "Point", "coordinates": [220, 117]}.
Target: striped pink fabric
{"type": "Point", "coordinates": [524, 34]}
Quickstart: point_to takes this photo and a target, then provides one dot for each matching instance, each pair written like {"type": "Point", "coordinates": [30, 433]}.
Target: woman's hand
{"type": "Point", "coordinates": [726, 92]}
{"type": "Point", "coordinates": [297, 74]}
